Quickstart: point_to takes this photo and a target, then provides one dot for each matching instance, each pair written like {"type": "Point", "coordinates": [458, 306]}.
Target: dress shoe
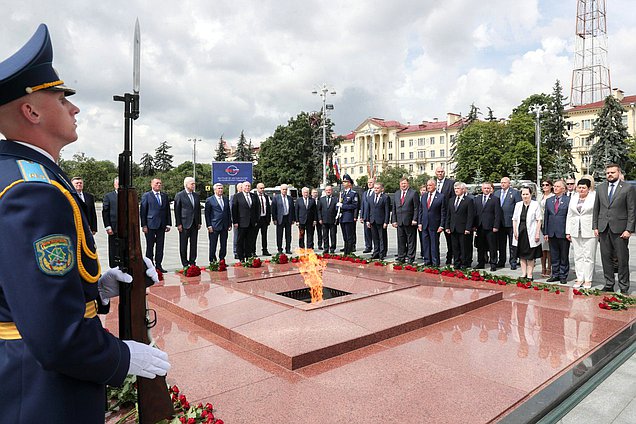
{"type": "Point", "coordinates": [325, 251]}
{"type": "Point", "coordinates": [366, 251]}
{"type": "Point", "coordinates": [342, 250]}
{"type": "Point", "coordinates": [332, 251]}
{"type": "Point", "coordinates": [512, 267]}
{"type": "Point", "coordinates": [280, 250]}
{"type": "Point", "coordinates": [564, 282]}
{"type": "Point", "coordinates": [266, 253]}
{"type": "Point", "coordinates": [587, 285]}
{"type": "Point", "coordinates": [320, 247]}
{"type": "Point", "coordinates": [412, 261]}
{"type": "Point", "coordinates": [493, 268]}
{"type": "Point", "coordinates": [552, 280]}
{"type": "Point", "coordinates": [607, 289]}
{"type": "Point", "coordinates": [163, 271]}
{"type": "Point", "coordinates": [376, 256]}
{"type": "Point", "coordinates": [288, 251]}
{"type": "Point", "coordinates": [501, 265]}
{"type": "Point", "coordinates": [480, 266]}
{"type": "Point", "coordinates": [382, 257]}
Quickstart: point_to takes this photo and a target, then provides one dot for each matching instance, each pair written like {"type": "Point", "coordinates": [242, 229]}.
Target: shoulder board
{"type": "Point", "coordinates": [33, 171]}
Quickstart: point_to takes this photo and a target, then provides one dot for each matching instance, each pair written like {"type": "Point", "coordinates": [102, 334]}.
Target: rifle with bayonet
{"type": "Point", "coordinates": [153, 400]}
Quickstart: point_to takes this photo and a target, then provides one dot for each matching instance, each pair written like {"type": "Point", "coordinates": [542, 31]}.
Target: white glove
{"type": "Point", "coordinates": [146, 361]}
{"type": "Point", "coordinates": [339, 204]}
{"type": "Point", "coordinates": [108, 283]}
{"type": "Point", "coordinates": [151, 272]}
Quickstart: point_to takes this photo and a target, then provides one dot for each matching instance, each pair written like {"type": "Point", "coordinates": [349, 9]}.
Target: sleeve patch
{"type": "Point", "coordinates": [54, 254]}
{"type": "Point", "coordinates": [32, 171]}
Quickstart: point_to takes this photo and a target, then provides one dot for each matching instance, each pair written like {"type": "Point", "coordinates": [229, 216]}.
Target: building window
{"type": "Point", "coordinates": [402, 156]}
{"type": "Point", "coordinates": [442, 139]}
{"type": "Point", "coordinates": [411, 168]}
{"type": "Point", "coordinates": [421, 167]}
{"type": "Point", "coordinates": [420, 142]}
{"type": "Point", "coordinates": [361, 169]}
{"type": "Point", "coordinates": [390, 144]}
{"type": "Point", "coordinates": [586, 124]}
{"type": "Point", "coordinates": [410, 155]}
{"type": "Point", "coordinates": [390, 156]}
{"type": "Point", "coordinates": [345, 149]}
{"type": "Point", "coordinates": [401, 143]}
{"type": "Point", "coordinates": [432, 165]}
{"type": "Point", "coordinates": [570, 141]}
{"type": "Point", "coordinates": [452, 139]}
{"type": "Point", "coordinates": [585, 141]}
{"type": "Point", "coordinates": [624, 119]}
{"type": "Point", "coordinates": [442, 153]}
{"type": "Point", "coordinates": [420, 154]}
{"type": "Point", "coordinates": [432, 154]}
{"type": "Point", "coordinates": [345, 161]}
{"type": "Point", "coordinates": [432, 140]}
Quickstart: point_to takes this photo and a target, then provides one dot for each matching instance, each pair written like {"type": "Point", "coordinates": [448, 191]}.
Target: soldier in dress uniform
{"type": "Point", "coordinates": [55, 356]}
{"type": "Point", "coordinates": [348, 204]}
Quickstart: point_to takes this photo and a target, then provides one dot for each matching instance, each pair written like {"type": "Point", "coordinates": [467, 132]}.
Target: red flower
{"type": "Point", "coordinates": [557, 292]}
{"type": "Point", "coordinates": [256, 263]}
{"type": "Point", "coordinates": [160, 275]}
{"type": "Point", "coordinates": [358, 261]}
{"type": "Point", "coordinates": [182, 419]}
{"type": "Point", "coordinates": [608, 299]}
{"type": "Point", "coordinates": [283, 259]}
{"type": "Point", "coordinates": [175, 389]}
{"type": "Point", "coordinates": [209, 406]}
{"type": "Point", "coordinates": [536, 287]}
{"type": "Point", "coordinates": [192, 421]}
{"type": "Point", "coordinates": [576, 292]}
{"type": "Point", "coordinates": [397, 267]}
{"type": "Point", "coordinates": [604, 305]}
{"type": "Point", "coordinates": [222, 265]}
{"type": "Point", "coordinates": [378, 263]}
{"type": "Point", "coordinates": [294, 260]}
{"type": "Point", "coordinates": [546, 289]}
{"type": "Point", "coordinates": [219, 422]}
{"type": "Point", "coordinates": [193, 271]}
{"type": "Point", "coordinates": [326, 256]}
{"type": "Point", "coordinates": [364, 261]}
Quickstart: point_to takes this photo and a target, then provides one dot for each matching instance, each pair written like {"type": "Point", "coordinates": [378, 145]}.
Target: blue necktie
{"type": "Point", "coordinates": [158, 198]}
{"type": "Point", "coordinates": [611, 192]}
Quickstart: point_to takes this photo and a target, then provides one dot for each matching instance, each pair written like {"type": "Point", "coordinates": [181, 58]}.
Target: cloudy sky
{"type": "Point", "coordinates": [212, 68]}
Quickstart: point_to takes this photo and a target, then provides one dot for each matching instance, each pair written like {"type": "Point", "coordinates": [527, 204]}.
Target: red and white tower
{"type": "Point", "coordinates": [591, 74]}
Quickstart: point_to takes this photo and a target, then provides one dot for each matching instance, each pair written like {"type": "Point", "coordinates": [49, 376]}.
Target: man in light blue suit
{"type": "Point", "coordinates": [218, 221]}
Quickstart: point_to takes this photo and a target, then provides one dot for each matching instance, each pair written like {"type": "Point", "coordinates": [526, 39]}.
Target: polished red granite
{"type": "Point", "coordinates": [428, 349]}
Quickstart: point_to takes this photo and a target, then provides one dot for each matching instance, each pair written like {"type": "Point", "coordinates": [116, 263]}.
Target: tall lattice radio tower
{"type": "Point", "coordinates": [591, 74]}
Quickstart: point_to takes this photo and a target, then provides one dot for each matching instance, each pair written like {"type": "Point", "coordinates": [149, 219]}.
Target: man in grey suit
{"type": "Point", "coordinates": [283, 215]}
{"type": "Point", "coordinates": [306, 216]}
{"type": "Point", "coordinates": [327, 218]}
{"type": "Point", "coordinates": [187, 216]}
{"type": "Point", "coordinates": [508, 198]}
{"type": "Point", "coordinates": [613, 222]}
{"type": "Point", "coordinates": [406, 204]}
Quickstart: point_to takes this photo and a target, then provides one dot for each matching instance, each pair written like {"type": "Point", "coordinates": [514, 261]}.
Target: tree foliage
{"type": "Point", "coordinates": [147, 164]}
{"type": "Point", "coordinates": [243, 150]}
{"type": "Point", "coordinates": [559, 163]}
{"type": "Point", "coordinates": [611, 145]}
{"type": "Point", "coordinates": [221, 153]}
{"type": "Point", "coordinates": [163, 158]}
{"type": "Point", "coordinates": [390, 177]}
{"type": "Point", "coordinates": [97, 175]}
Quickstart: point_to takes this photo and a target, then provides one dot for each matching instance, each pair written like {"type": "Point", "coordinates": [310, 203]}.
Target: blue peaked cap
{"type": "Point", "coordinates": [30, 69]}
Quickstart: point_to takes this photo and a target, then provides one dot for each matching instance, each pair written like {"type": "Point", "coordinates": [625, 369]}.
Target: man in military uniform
{"type": "Point", "coordinates": [348, 204]}
{"type": "Point", "coordinates": [55, 355]}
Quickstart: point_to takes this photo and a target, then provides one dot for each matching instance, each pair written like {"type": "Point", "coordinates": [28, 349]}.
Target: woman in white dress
{"type": "Point", "coordinates": [578, 229]}
{"type": "Point", "coordinates": [546, 263]}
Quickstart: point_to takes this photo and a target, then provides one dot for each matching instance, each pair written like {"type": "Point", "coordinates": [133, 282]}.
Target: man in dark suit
{"type": "Point", "coordinates": [187, 216]}
{"type": "Point", "coordinates": [306, 216]}
{"type": "Point", "coordinates": [378, 217]}
{"type": "Point", "coordinates": [155, 221]}
{"type": "Point", "coordinates": [318, 226]}
{"type": "Point", "coordinates": [446, 187]}
{"type": "Point", "coordinates": [555, 215]}
{"type": "Point", "coordinates": [613, 222]}
{"type": "Point", "coordinates": [487, 222]}
{"type": "Point", "coordinates": [406, 204]}
{"type": "Point", "coordinates": [283, 215]}
{"type": "Point", "coordinates": [364, 214]}
{"type": "Point", "coordinates": [348, 202]}
{"type": "Point", "coordinates": [385, 231]}
{"type": "Point", "coordinates": [264, 217]}
{"type": "Point", "coordinates": [459, 224]}
{"type": "Point", "coordinates": [109, 217]}
{"type": "Point", "coordinates": [218, 220]}
{"type": "Point", "coordinates": [431, 222]}
{"type": "Point", "coordinates": [239, 189]}
{"type": "Point", "coordinates": [89, 202]}
{"type": "Point", "coordinates": [327, 218]}
{"type": "Point", "coordinates": [245, 211]}
{"type": "Point", "coordinates": [508, 198]}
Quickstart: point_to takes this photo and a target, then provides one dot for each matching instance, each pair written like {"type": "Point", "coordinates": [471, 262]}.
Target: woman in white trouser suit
{"type": "Point", "coordinates": [578, 229]}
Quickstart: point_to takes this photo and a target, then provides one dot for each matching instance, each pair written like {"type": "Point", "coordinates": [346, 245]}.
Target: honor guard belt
{"type": "Point", "coordinates": [8, 330]}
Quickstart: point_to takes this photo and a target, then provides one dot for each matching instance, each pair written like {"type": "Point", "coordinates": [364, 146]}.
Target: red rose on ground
{"type": "Point", "coordinates": [283, 259]}
{"type": "Point", "coordinates": [182, 419]}
{"type": "Point", "coordinates": [536, 287]}
{"type": "Point", "coordinates": [603, 305]}
{"type": "Point", "coordinates": [557, 292]}
{"type": "Point", "coordinates": [364, 261]}
{"type": "Point", "coordinates": [576, 292]}
{"type": "Point", "coordinates": [192, 421]}
{"type": "Point", "coordinates": [209, 406]}
{"type": "Point", "coordinates": [222, 265]}
{"type": "Point", "coordinates": [326, 256]}
{"type": "Point", "coordinates": [193, 271]}
{"type": "Point", "coordinates": [397, 267]}
{"type": "Point", "coordinates": [546, 289]}
{"type": "Point", "coordinates": [378, 264]}
{"type": "Point", "coordinates": [256, 263]}
{"type": "Point", "coordinates": [175, 389]}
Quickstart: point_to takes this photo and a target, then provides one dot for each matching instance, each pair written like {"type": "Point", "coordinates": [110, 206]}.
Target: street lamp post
{"type": "Point", "coordinates": [537, 110]}
{"type": "Point", "coordinates": [323, 91]}
{"type": "Point", "coordinates": [194, 157]}
{"type": "Point", "coordinates": [372, 132]}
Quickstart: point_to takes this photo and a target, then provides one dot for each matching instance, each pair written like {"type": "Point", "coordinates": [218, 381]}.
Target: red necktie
{"type": "Point", "coordinates": [262, 205]}
{"type": "Point", "coordinates": [428, 204]}
{"type": "Point", "coordinates": [556, 206]}
{"type": "Point", "coordinates": [402, 201]}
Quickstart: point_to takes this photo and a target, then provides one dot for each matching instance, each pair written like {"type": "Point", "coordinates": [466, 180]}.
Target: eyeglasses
{"type": "Point", "coordinates": [570, 183]}
{"type": "Point", "coordinates": [545, 185]}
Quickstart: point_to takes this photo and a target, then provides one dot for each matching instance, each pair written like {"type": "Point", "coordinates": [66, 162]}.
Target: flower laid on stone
{"type": "Point", "coordinates": [218, 266]}
{"type": "Point", "coordinates": [280, 258]}
{"type": "Point", "coordinates": [252, 263]}
{"type": "Point", "coordinates": [190, 271]}
{"type": "Point", "coordinates": [159, 274]}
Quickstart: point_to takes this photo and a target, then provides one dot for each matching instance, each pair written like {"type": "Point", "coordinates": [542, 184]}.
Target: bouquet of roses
{"type": "Point", "coordinates": [218, 266]}
{"type": "Point", "coordinates": [190, 271]}
{"type": "Point", "coordinates": [252, 263]}
{"type": "Point", "coordinates": [280, 258]}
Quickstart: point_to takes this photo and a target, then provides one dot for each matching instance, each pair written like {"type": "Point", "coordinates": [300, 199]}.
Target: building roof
{"type": "Point", "coordinates": [382, 123]}
{"type": "Point", "coordinates": [430, 126]}
{"type": "Point", "coordinates": [599, 105]}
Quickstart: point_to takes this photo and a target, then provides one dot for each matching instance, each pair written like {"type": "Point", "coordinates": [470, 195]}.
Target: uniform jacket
{"type": "Point", "coordinates": [460, 219]}
{"type": "Point", "coordinates": [61, 360]}
{"type": "Point", "coordinates": [244, 214]}
{"type": "Point", "coordinates": [109, 211]}
{"type": "Point", "coordinates": [153, 215]}
{"type": "Point", "coordinates": [434, 216]}
{"type": "Point", "coordinates": [278, 208]}
{"type": "Point", "coordinates": [306, 215]}
{"type": "Point", "coordinates": [618, 215]}
{"type": "Point", "coordinates": [184, 212]}
{"type": "Point", "coordinates": [404, 214]}
{"type": "Point", "coordinates": [216, 217]}
{"type": "Point", "coordinates": [512, 197]}
{"type": "Point", "coordinates": [579, 224]}
{"type": "Point", "coordinates": [350, 205]}
{"type": "Point", "coordinates": [327, 214]}
{"type": "Point", "coordinates": [554, 222]}
{"type": "Point", "coordinates": [378, 212]}
{"type": "Point", "coordinates": [487, 216]}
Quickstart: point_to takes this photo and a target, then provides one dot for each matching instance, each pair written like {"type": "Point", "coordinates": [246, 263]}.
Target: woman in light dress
{"type": "Point", "coordinates": [578, 229]}
{"type": "Point", "coordinates": [546, 263]}
{"type": "Point", "coordinates": [526, 227]}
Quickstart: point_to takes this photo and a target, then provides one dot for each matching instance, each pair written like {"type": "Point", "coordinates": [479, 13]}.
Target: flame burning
{"type": "Point", "coordinates": [311, 267]}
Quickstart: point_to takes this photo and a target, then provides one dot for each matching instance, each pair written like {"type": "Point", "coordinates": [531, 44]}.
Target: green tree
{"type": "Point", "coordinates": [480, 145]}
{"type": "Point", "coordinates": [491, 116]}
{"type": "Point", "coordinates": [221, 153]}
{"type": "Point", "coordinates": [362, 180]}
{"type": "Point", "coordinates": [291, 155]}
{"type": "Point", "coordinates": [97, 175]}
{"type": "Point", "coordinates": [163, 158]}
{"type": "Point", "coordinates": [243, 152]}
{"type": "Point", "coordinates": [390, 177]}
{"type": "Point", "coordinates": [421, 180]}
{"type": "Point", "coordinates": [559, 163]}
{"type": "Point", "coordinates": [611, 145]}
{"type": "Point", "coordinates": [147, 164]}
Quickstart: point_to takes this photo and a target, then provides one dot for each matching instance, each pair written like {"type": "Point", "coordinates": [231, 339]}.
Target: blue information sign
{"type": "Point", "coordinates": [231, 172]}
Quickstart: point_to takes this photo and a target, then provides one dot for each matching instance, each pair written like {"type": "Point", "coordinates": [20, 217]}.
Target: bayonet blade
{"type": "Point", "coordinates": [136, 57]}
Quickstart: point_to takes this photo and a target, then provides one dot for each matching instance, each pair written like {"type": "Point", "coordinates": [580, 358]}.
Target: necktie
{"type": "Point", "coordinates": [439, 186]}
{"type": "Point", "coordinates": [158, 198]}
{"type": "Point", "coordinates": [457, 202]}
{"type": "Point", "coordinates": [484, 199]}
{"type": "Point", "coordinates": [428, 202]}
{"type": "Point", "coordinates": [262, 204]}
{"type": "Point", "coordinates": [403, 194]}
{"type": "Point", "coordinates": [503, 197]}
{"type": "Point", "coordinates": [248, 199]}
{"type": "Point", "coordinates": [328, 201]}
{"type": "Point", "coordinates": [285, 208]}
{"type": "Point", "coordinates": [556, 205]}
{"type": "Point", "coordinates": [611, 193]}
{"type": "Point", "coordinates": [191, 198]}
{"type": "Point", "coordinates": [81, 195]}
{"type": "Point", "coordinates": [306, 204]}
{"type": "Point", "coordinates": [220, 201]}
{"type": "Point", "coordinates": [377, 197]}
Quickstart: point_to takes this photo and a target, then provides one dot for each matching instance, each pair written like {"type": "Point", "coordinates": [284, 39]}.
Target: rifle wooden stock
{"type": "Point", "coordinates": [154, 402]}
